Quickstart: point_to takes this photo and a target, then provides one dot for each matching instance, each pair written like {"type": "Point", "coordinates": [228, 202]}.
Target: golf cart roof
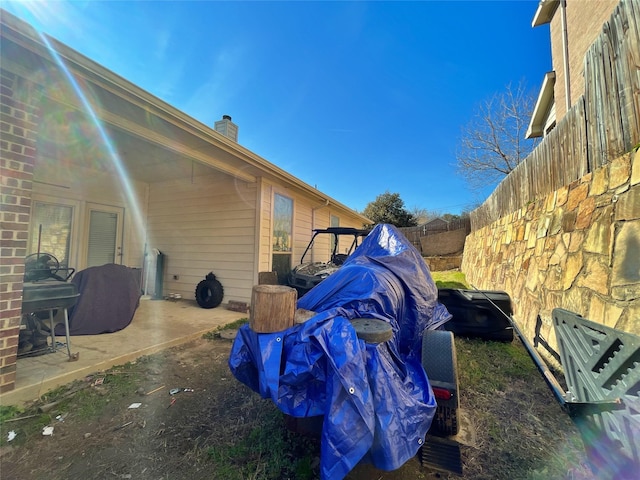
{"type": "Point", "coordinates": [342, 231]}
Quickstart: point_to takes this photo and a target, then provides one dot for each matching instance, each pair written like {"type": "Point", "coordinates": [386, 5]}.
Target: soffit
{"type": "Point", "coordinates": [544, 13]}
{"type": "Point", "coordinates": [542, 108]}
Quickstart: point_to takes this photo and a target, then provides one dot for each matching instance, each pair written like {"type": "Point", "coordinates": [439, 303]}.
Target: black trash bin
{"type": "Point", "coordinates": [478, 313]}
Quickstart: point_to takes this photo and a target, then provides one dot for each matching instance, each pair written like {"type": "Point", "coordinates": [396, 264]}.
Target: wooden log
{"type": "Point", "coordinates": [273, 308]}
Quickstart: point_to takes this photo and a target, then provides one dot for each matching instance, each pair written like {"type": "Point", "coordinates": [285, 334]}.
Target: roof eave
{"type": "Point", "coordinates": [544, 13]}
{"type": "Point", "coordinates": [169, 112]}
{"type": "Point", "coordinates": [542, 107]}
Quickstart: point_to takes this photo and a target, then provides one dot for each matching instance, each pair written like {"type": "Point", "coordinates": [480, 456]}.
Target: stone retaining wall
{"type": "Point", "coordinates": [578, 249]}
{"type": "Point", "coordinates": [441, 264]}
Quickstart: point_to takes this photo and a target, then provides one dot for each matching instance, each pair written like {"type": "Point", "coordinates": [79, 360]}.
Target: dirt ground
{"type": "Point", "coordinates": [202, 434]}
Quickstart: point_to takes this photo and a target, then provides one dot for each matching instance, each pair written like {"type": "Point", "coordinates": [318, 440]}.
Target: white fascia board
{"type": "Point", "coordinates": [544, 13]}
{"type": "Point", "coordinates": [543, 106]}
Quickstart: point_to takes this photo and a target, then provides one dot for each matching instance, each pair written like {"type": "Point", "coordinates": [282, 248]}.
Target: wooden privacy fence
{"type": "Point", "coordinates": [414, 234]}
{"type": "Point", "coordinates": [603, 124]}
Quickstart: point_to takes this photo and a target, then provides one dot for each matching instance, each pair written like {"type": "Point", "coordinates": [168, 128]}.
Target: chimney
{"type": "Point", "coordinates": [227, 128]}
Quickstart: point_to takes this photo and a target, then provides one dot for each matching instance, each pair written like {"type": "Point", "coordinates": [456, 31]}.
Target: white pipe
{"type": "Point", "coordinates": [565, 49]}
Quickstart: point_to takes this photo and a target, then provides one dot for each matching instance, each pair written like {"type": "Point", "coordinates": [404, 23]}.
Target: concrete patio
{"type": "Point", "coordinates": [156, 325]}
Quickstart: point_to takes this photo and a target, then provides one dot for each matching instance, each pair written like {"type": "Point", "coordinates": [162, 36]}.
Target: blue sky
{"type": "Point", "coordinates": [355, 98]}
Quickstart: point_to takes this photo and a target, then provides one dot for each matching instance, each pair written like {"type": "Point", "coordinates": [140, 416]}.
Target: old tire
{"type": "Point", "coordinates": [209, 293]}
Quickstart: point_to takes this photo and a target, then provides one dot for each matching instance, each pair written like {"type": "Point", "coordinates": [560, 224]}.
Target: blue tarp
{"type": "Point", "coordinates": [376, 400]}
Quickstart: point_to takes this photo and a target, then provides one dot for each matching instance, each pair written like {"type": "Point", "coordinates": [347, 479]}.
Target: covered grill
{"type": "Point", "coordinates": [45, 291]}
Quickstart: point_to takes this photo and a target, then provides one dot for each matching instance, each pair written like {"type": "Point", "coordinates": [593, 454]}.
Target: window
{"type": "Point", "coordinates": [51, 230]}
{"type": "Point", "coordinates": [282, 235]}
{"type": "Point", "coordinates": [102, 238]}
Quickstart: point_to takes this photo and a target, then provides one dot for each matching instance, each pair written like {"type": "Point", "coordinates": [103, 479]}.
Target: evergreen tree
{"type": "Point", "coordinates": [389, 208]}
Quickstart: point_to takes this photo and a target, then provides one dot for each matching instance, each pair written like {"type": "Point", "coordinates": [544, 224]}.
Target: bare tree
{"type": "Point", "coordinates": [422, 215]}
{"type": "Point", "coordinates": [493, 143]}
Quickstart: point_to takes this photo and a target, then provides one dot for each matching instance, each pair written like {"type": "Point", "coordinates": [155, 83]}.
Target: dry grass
{"type": "Point", "coordinates": [521, 431]}
{"type": "Point", "coordinates": [225, 431]}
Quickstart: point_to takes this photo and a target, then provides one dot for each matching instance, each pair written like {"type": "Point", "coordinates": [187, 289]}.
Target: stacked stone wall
{"type": "Point", "coordinates": [578, 248]}
{"type": "Point", "coordinates": [441, 264]}
{"type": "Point", "coordinates": [18, 125]}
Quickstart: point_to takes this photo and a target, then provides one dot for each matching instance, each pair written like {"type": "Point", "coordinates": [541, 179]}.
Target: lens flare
{"type": "Point", "coordinates": [104, 139]}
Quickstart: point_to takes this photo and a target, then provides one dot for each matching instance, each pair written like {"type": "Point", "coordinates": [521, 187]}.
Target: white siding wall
{"type": "Point", "coordinates": [79, 186]}
{"type": "Point", "coordinates": [307, 215]}
{"type": "Point", "coordinates": [202, 226]}
{"type": "Point", "coordinates": [302, 225]}
{"type": "Point", "coordinates": [265, 227]}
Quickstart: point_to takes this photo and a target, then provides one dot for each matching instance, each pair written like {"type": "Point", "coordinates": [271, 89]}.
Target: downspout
{"type": "Point", "coordinates": [313, 221]}
{"type": "Point", "coordinates": [565, 50]}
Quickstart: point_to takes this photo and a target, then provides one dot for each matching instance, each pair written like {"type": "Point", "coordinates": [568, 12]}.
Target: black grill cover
{"type": "Point", "coordinates": [109, 297]}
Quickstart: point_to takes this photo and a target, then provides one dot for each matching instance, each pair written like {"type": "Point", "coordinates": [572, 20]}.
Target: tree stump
{"type": "Point", "coordinates": [273, 308]}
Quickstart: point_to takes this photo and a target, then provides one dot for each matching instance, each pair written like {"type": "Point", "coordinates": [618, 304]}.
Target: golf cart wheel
{"type": "Point", "coordinates": [209, 293]}
{"type": "Point", "coordinates": [445, 421]}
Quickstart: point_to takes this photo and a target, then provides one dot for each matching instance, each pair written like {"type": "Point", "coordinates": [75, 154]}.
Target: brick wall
{"type": "Point", "coordinates": [17, 158]}
{"type": "Point", "coordinates": [585, 19]}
